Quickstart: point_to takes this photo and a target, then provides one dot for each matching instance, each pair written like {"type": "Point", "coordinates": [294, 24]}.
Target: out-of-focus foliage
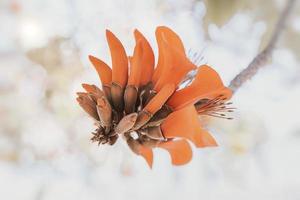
{"type": "Point", "coordinates": [219, 12]}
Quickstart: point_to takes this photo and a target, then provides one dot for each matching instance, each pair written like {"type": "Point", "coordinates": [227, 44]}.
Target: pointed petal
{"type": "Point", "coordinates": [207, 84]}
{"type": "Point", "coordinates": [119, 59]}
{"type": "Point", "coordinates": [179, 150]}
{"type": "Point", "coordinates": [178, 64]}
{"type": "Point", "coordinates": [147, 61]}
{"type": "Point", "coordinates": [160, 98]}
{"type": "Point", "coordinates": [135, 67]}
{"type": "Point", "coordinates": [147, 154]}
{"type": "Point", "coordinates": [164, 33]}
{"type": "Point", "coordinates": [184, 123]}
{"type": "Point", "coordinates": [139, 149]}
{"type": "Point", "coordinates": [104, 71]}
{"type": "Point", "coordinates": [206, 140]}
{"type": "Point", "coordinates": [88, 87]}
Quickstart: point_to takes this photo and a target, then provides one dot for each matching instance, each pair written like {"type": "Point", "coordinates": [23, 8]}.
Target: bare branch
{"type": "Point", "coordinates": [262, 58]}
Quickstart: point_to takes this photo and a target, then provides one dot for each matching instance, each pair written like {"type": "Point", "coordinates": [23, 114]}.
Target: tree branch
{"type": "Point", "coordinates": [262, 58]}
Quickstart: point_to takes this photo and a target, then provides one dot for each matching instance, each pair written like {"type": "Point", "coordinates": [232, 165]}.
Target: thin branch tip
{"type": "Point", "coordinates": [261, 59]}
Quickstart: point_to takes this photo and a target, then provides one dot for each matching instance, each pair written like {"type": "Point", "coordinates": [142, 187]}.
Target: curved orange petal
{"type": "Point", "coordinates": [207, 84]}
{"type": "Point", "coordinates": [184, 123]}
{"type": "Point", "coordinates": [147, 60]}
{"type": "Point", "coordinates": [206, 140]}
{"type": "Point", "coordinates": [103, 70]}
{"type": "Point", "coordinates": [119, 59]}
{"type": "Point", "coordinates": [135, 65]}
{"type": "Point", "coordinates": [147, 154]}
{"type": "Point", "coordinates": [176, 66]}
{"type": "Point", "coordinates": [179, 150]}
{"type": "Point", "coordinates": [164, 33]}
{"type": "Point", "coordinates": [170, 36]}
{"type": "Point", "coordinates": [160, 98]}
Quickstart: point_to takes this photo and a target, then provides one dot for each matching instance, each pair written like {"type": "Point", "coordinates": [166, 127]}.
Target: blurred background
{"type": "Point", "coordinates": [45, 148]}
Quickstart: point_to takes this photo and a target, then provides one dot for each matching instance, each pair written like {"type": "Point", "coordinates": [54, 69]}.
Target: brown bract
{"type": "Point", "coordinates": [143, 104]}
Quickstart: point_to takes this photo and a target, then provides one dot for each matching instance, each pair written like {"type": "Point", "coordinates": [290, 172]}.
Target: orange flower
{"type": "Point", "coordinates": [145, 106]}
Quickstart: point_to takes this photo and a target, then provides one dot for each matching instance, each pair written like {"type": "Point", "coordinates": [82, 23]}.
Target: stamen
{"type": "Point", "coordinates": [215, 107]}
{"type": "Point", "coordinates": [229, 118]}
{"type": "Point", "coordinates": [196, 57]}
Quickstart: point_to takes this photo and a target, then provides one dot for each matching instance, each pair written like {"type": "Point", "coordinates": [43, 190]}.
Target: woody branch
{"type": "Point", "coordinates": [263, 57]}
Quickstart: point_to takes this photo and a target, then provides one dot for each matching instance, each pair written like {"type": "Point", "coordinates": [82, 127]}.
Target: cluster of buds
{"type": "Point", "coordinates": [146, 106]}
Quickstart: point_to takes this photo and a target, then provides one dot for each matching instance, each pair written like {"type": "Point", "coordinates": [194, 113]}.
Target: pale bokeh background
{"type": "Point", "coordinates": [45, 151]}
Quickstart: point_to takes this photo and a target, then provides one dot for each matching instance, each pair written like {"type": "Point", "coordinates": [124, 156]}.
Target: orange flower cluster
{"type": "Point", "coordinates": [145, 106]}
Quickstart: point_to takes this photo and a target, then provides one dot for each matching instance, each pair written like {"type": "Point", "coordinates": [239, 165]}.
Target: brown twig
{"type": "Point", "coordinates": [262, 58]}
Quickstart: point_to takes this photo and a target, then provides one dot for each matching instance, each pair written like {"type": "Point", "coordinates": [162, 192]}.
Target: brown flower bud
{"type": "Point", "coordinates": [159, 116]}
{"type": "Point", "coordinates": [149, 94]}
{"type": "Point", "coordinates": [143, 117]}
{"type": "Point", "coordinates": [107, 92]}
{"type": "Point", "coordinates": [117, 93]}
{"type": "Point", "coordinates": [126, 123]}
{"type": "Point", "coordinates": [130, 97]}
{"type": "Point", "coordinates": [105, 112]}
{"type": "Point", "coordinates": [154, 133]}
{"type": "Point", "coordinates": [88, 105]}
{"type": "Point", "coordinates": [143, 94]}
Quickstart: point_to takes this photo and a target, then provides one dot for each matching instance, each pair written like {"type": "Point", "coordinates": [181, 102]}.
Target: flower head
{"type": "Point", "coordinates": [144, 104]}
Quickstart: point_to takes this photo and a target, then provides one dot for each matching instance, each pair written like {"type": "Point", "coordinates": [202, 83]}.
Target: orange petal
{"type": "Point", "coordinates": [104, 71]}
{"type": "Point", "coordinates": [147, 154]}
{"type": "Point", "coordinates": [119, 59]}
{"type": "Point", "coordinates": [175, 63]}
{"type": "Point", "coordinates": [207, 84]}
{"type": "Point", "coordinates": [179, 150]}
{"type": "Point", "coordinates": [89, 88]}
{"type": "Point", "coordinates": [135, 66]}
{"type": "Point", "coordinates": [160, 98]}
{"type": "Point", "coordinates": [206, 140]}
{"type": "Point", "coordinates": [147, 61]}
{"type": "Point", "coordinates": [184, 123]}
{"type": "Point", "coordinates": [164, 33]}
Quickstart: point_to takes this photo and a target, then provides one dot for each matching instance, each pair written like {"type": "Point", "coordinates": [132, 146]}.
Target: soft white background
{"type": "Point", "coordinates": [45, 152]}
